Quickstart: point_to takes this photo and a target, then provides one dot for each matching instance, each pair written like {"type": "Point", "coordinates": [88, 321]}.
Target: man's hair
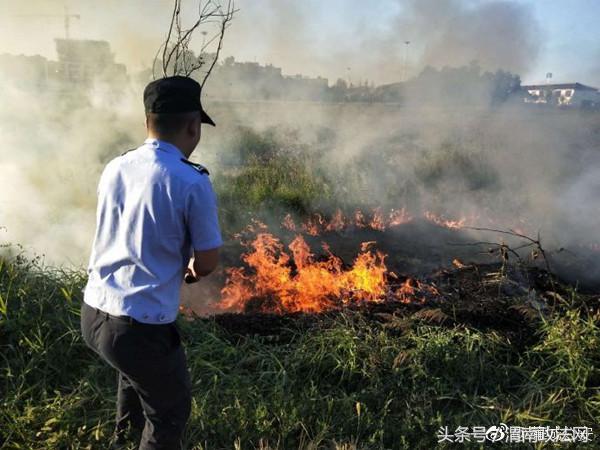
{"type": "Point", "coordinates": [169, 124]}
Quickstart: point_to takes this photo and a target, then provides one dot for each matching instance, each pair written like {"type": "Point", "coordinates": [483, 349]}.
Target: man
{"type": "Point", "coordinates": [154, 208]}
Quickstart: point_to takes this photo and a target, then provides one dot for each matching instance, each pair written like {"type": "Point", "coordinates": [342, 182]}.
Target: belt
{"type": "Point", "coordinates": [127, 319]}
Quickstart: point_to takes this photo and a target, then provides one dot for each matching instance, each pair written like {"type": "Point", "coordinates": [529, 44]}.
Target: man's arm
{"type": "Point", "coordinates": [204, 263]}
{"type": "Point", "coordinates": [203, 225]}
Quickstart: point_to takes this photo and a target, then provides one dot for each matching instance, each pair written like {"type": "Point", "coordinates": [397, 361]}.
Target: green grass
{"type": "Point", "coordinates": [280, 169]}
{"type": "Point", "coordinates": [348, 382]}
{"type": "Point", "coordinates": [285, 182]}
{"type": "Point", "coordinates": [270, 183]}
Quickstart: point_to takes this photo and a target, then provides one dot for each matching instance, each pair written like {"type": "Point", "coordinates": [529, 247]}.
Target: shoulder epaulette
{"type": "Point", "coordinates": [199, 167]}
{"type": "Point", "coordinates": [130, 150]}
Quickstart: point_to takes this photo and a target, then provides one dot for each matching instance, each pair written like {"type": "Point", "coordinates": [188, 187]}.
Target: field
{"type": "Point", "coordinates": [504, 342]}
{"type": "Point", "coordinates": [340, 380]}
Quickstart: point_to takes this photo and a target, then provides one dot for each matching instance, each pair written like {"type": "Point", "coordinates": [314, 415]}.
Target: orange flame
{"type": "Point", "coordinates": [443, 222]}
{"type": "Point", "coordinates": [288, 223]}
{"type": "Point", "coordinates": [377, 222]}
{"type": "Point", "coordinates": [337, 223]}
{"type": "Point", "coordinates": [458, 263]}
{"type": "Point", "coordinates": [414, 290]}
{"type": "Point", "coordinates": [317, 224]}
{"type": "Point", "coordinates": [313, 225]}
{"type": "Point", "coordinates": [282, 283]}
{"type": "Point", "coordinates": [359, 219]}
{"type": "Point", "coordinates": [399, 217]}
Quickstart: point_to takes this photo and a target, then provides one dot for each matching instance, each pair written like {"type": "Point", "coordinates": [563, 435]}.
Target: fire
{"type": "Point", "coordinates": [313, 225]}
{"type": "Point", "coordinates": [443, 222]}
{"type": "Point", "coordinates": [407, 290]}
{"type": "Point", "coordinates": [288, 223]}
{"type": "Point", "coordinates": [279, 278]}
{"type": "Point", "coordinates": [377, 222]}
{"type": "Point", "coordinates": [316, 224]}
{"type": "Point", "coordinates": [284, 280]}
{"type": "Point", "coordinates": [399, 217]}
{"type": "Point", "coordinates": [458, 263]}
{"type": "Point", "coordinates": [359, 219]}
{"type": "Point", "coordinates": [337, 223]}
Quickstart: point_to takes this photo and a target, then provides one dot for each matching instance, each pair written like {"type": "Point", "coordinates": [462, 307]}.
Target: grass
{"type": "Point", "coordinates": [285, 183]}
{"type": "Point", "coordinates": [268, 174]}
{"type": "Point", "coordinates": [348, 383]}
{"type": "Point", "coordinates": [280, 170]}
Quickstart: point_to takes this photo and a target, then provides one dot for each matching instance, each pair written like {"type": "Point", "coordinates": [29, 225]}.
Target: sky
{"type": "Point", "coordinates": [350, 39]}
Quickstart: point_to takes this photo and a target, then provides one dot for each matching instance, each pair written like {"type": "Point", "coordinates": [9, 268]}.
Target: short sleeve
{"type": "Point", "coordinates": [201, 216]}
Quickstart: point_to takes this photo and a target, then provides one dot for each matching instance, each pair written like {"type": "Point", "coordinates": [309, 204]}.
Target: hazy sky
{"type": "Point", "coordinates": [341, 38]}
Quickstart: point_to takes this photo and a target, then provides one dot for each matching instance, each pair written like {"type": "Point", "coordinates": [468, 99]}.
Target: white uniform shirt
{"type": "Point", "coordinates": [153, 210]}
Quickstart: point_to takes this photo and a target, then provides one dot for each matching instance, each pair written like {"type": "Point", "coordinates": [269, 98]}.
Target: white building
{"type": "Point", "coordinates": [565, 94]}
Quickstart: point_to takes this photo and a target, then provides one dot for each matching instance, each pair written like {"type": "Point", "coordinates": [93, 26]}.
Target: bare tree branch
{"type": "Point", "coordinates": [532, 242]}
{"type": "Point", "coordinates": [224, 24]}
{"type": "Point", "coordinates": [174, 16]}
{"type": "Point", "coordinates": [177, 58]}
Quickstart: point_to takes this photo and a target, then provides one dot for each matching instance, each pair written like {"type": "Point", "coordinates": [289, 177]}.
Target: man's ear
{"type": "Point", "coordinates": [194, 126]}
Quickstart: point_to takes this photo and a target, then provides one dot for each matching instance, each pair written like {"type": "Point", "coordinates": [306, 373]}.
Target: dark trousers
{"type": "Point", "coordinates": [154, 389]}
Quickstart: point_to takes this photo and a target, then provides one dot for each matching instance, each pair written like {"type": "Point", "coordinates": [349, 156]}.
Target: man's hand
{"type": "Point", "coordinates": [202, 264]}
{"type": "Point", "coordinates": [189, 275]}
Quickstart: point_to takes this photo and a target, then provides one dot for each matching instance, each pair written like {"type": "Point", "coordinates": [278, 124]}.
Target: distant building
{"type": "Point", "coordinates": [81, 63]}
{"type": "Point", "coordinates": [565, 94]}
{"type": "Point", "coordinates": [233, 80]}
{"type": "Point", "coordinates": [26, 72]}
{"type": "Point", "coordinates": [85, 61]}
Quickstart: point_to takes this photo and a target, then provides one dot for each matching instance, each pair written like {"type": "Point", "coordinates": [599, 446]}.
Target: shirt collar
{"type": "Point", "coordinates": [165, 146]}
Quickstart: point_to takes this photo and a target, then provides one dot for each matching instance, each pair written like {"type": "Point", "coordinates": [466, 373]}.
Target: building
{"type": "Point", "coordinates": [26, 72]}
{"type": "Point", "coordinates": [233, 80]}
{"type": "Point", "coordinates": [564, 94]}
{"type": "Point", "coordinates": [81, 64]}
{"type": "Point", "coordinates": [85, 61]}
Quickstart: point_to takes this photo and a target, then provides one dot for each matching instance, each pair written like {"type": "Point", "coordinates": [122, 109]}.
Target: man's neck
{"type": "Point", "coordinates": [172, 142]}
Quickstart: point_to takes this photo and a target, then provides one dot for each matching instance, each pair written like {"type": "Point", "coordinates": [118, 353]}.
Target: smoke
{"type": "Point", "coordinates": [54, 147]}
{"type": "Point", "coordinates": [594, 73]}
{"type": "Point", "coordinates": [31, 27]}
{"type": "Point", "coordinates": [371, 43]}
{"type": "Point", "coordinates": [459, 158]}
{"type": "Point", "coordinates": [497, 34]}
{"type": "Point", "coordinates": [359, 41]}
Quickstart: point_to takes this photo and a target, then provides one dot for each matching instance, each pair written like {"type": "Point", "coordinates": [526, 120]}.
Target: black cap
{"type": "Point", "coordinates": [175, 94]}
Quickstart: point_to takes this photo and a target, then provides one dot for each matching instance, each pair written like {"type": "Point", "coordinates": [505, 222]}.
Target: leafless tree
{"type": "Point", "coordinates": [174, 55]}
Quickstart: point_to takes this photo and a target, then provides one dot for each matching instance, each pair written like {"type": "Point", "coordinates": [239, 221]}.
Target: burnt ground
{"type": "Point", "coordinates": [506, 299]}
{"type": "Point", "coordinates": [488, 290]}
